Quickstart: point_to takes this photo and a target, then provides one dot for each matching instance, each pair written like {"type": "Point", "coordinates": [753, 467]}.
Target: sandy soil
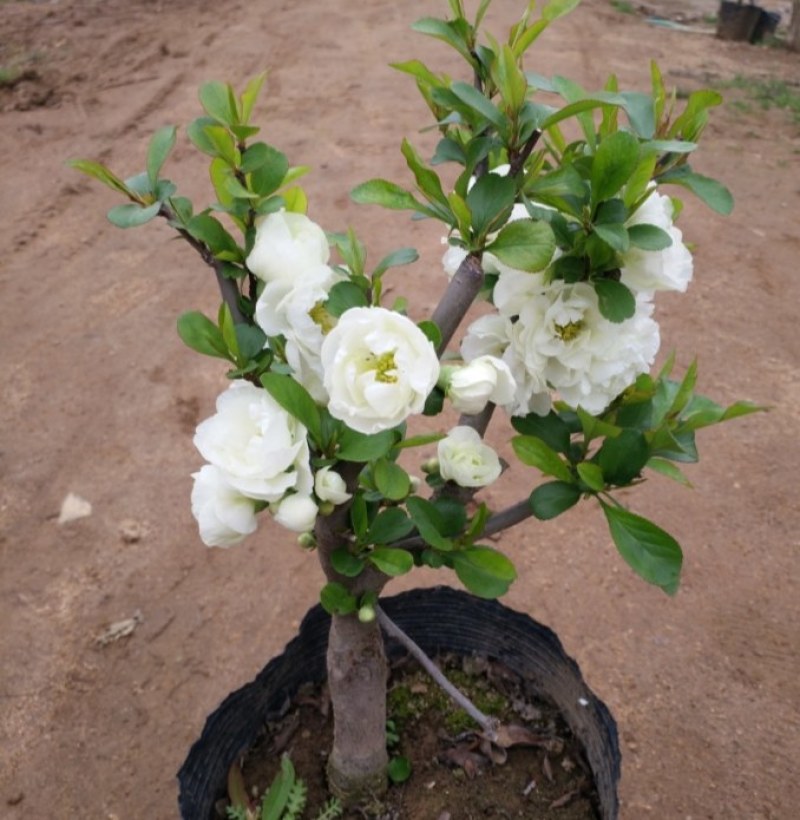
{"type": "Point", "coordinates": [100, 399]}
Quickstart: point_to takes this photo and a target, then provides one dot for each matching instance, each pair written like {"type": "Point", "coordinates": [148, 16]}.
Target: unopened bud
{"type": "Point", "coordinates": [307, 541]}
{"type": "Point", "coordinates": [326, 507]}
{"type": "Point", "coordinates": [431, 466]}
{"type": "Point", "coordinates": [366, 614]}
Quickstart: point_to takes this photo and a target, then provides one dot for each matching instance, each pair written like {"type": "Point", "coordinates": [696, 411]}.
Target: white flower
{"type": "Point", "coordinates": [261, 450]}
{"type": "Point", "coordinates": [330, 486]}
{"type": "Point", "coordinates": [379, 368]}
{"type": "Point", "coordinates": [223, 514]}
{"type": "Point", "coordinates": [484, 379]}
{"type": "Point", "coordinates": [667, 269]}
{"type": "Point", "coordinates": [287, 243]}
{"type": "Point", "coordinates": [487, 336]}
{"type": "Point", "coordinates": [296, 512]}
{"type": "Point", "coordinates": [465, 459]}
{"type": "Point", "coordinates": [564, 341]}
{"type": "Point", "coordinates": [295, 309]}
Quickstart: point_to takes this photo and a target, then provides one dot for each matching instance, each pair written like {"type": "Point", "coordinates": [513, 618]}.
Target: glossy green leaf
{"type": "Point", "coordinates": [102, 174]}
{"type": "Point", "coordinates": [484, 571]}
{"type": "Point", "coordinates": [384, 193]}
{"type": "Point", "coordinates": [525, 245]}
{"type": "Point", "coordinates": [668, 469]}
{"type": "Point", "coordinates": [649, 237]}
{"type": "Point", "coordinates": [216, 100]}
{"type": "Point", "coordinates": [713, 193]}
{"type": "Point", "coordinates": [616, 236]}
{"type": "Point", "coordinates": [650, 551]}
{"type": "Point", "coordinates": [392, 562]}
{"type": "Point", "coordinates": [296, 401]}
{"type": "Point", "coordinates": [360, 447]}
{"type": "Point", "coordinates": [490, 201]}
{"type": "Point", "coordinates": [336, 600]}
{"type": "Point", "coordinates": [271, 168]}
{"type": "Point", "coordinates": [391, 479]}
{"type": "Point", "coordinates": [429, 522]}
{"type": "Point", "coordinates": [161, 143]}
{"type": "Point", "coordinates": [480, 104]}
{"type": "Point", "coordinates": [614, 162]}
{"type": "Point", "coordinates": [446, 31]}
{"type": "Point", "coordinates": [131, 215]}
{"type": "Point", "coordinates": [623, 457]}
{"type": "Point", "coordinates": [553, 498]}
{"type": "Point", "coordinates": [347, 564]}
{"type": "Point", "coordinates": [399, 769]}
{"type": "Point", "coordinates": [343, 296]}
{"type": "Point", "coordinates": [250, 95]}
{"type": "Point", "coordinates": [592, 476]}
{"type": "Point", "coordinates": [402, 256]}
{"type": "Point", "coordinates": [534, 452]}
{"type": "Point", "coordinates": [201, 334]}
{"type": "Point", "coordinates": [616, 301]}
{"type": "Point", "coordinates": [390, 524]}
{"type": "Point", "coordinates": [551, 429]}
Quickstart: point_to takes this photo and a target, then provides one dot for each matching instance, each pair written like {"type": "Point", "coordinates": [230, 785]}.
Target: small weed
{"type": "Point", "coordinates": [8, 76]}
{"type": "Point", "coordinates": [767, 94]}
{"type": "Point", "coordinates": [623, 6]}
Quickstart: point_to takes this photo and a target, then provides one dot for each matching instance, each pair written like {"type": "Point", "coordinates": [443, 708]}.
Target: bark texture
{"type": "Point", "coordinates": [794, 27]}
{"type": "Point", "coordinates": [357, 677]}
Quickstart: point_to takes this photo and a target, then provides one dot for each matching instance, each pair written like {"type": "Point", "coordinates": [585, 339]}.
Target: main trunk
{"type": "Point", "coordinates": [357, 675]}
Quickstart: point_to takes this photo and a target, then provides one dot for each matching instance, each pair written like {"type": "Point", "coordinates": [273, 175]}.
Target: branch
{"type": "Point", "coordinates": [518, 160]}
{"type": "Point", "coordinates": [488, 724]}
{"type": "Point", "coordinates": [227, 287]}
{"type": "Point", "coordinates": [458, 298]}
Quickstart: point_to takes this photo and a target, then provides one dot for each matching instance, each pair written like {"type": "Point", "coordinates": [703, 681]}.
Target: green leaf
{"type": "Point", "coordinates": [390, 524]}
{"type": "Point", "coordinates": [399, 769]}
{"type": "Point", "coordinates": [336, 600]}
{"type": "Point", "coordinates": [402, 256]}
{"type": "Point", "coordinates": [102, 174]}
{"type": "Point", "coordinates": [295, 400]}
{"type": "Point", "coordinates": [593, 427]}
{"type": "Point", "coordinates": [615, 161]}
{"type": "Point", "coordinates": [209, 230]}
{"type": "Point", "coordinates": [359, 516]}
{"type": "Point", "coordinates": [534, 452]}
{"type": "Point", "coordinates": [446, 31]}
{"type": "Point", "coordinates": [481, 105]}
{"type": "Point", "coordinates": [429, 522]}
{"type": "Point", "coordinates": [250, 95]}
{"type": "Point", "coordinates": [490, 201]}
{"type": "Point", "coordinates": [131, 215]}
{"type": "Point", "coordinates": [161, 143]}
{"type": "Point", "coordinates": [592, 476]}
{"type": "Point", "coordinates": [250, 340]}
{"type": "Point", "coordinates": [614, 235]}
{"type": "Point", "coordinates": [431, 331]}
{"type": "Point", "coordinates": [524, 245]}
{"type": "Point", "coordinates": [485, 572]}
{"type": "Point", "coordinates": [216, 100]}
{"type": "Point", "coordinates": [623, 457]}
{"type": "Point", "coordinates": [650, 551]}
{"type": "Point", "coordinates": [391, 480]}
{"type": "Point", "coordinates": [392, 562]}
{"type": "Point", "coordinates": [200, 334]}
{"type": "Point", "coordinates": [275, 800]}
{"type": "Point", "coordinates": [343, 296]}
{"type": "Point", "coordinates": [551, 429]}
{"type": "Point", "coordinates": [713, 193]}
{"type": "Point", "coordinates": [386, 194]}
{"type": "Point", "coordinates": [615, 300]}
{"type": "Point", "coordinates": [668, 469]}
{"type": "Point", "coordinates": [347, 564]}
{"type": "Point", "coordinates": [271, 168]}
{"type": "Point", "coordinates": [553, 498]}
{"type": "Point", "coordinates": [427, 179]}
{"type": "Point", "coordinates": [360, 447]}
{"type": "Point", "coordinates": [649, 237]}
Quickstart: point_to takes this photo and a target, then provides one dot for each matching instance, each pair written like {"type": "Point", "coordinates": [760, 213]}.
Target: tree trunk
{"type": "Point", "coordinates": [793, 39]}
{"type": "Point", "coordinates": [357, 676]}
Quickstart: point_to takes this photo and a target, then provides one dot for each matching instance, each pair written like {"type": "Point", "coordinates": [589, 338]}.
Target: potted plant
{"type": "Point", "coordinates": [551, 199]}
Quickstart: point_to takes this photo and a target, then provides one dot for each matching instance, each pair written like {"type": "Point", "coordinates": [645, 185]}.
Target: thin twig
{"type": "Point", "coordinates": [488, 724]}
{"type": "Point", "coordinates": [227, 287]}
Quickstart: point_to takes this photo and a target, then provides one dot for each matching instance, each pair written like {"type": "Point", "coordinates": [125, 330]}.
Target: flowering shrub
{"type": "Point", "coordinates": [551, 200]}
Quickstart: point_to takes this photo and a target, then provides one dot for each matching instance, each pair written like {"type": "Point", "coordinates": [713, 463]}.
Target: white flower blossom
{"type": "Point", "coordinates": [297, 513]}
{"type": "Point", "coordinates": [667, 269]}
{"type": "Point", "coordinates": [465, 459]}
{"type": "Point", "coordinates": [484, 379]}
{"type": "Point", "coordinates": [295, 309]}
{"type": "Point", "coordinates": [379, 368]}
{"type": "Point", "coordinates": [489, 335]}
{"type": "Point", "coordinates": [330, 486]}
{"type": "Point", "coordinates": [564, 340]}
{"type": "Point", "coordinates": [286, 244]}
{"type": "Point", "coordinates": [223, 514]}
{"type": "Point", "coordinates": [261, 450]}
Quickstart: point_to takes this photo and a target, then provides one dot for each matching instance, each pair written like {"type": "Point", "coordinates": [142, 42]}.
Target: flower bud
{"type": "Point", "coordinates": [465, 459]}
{"type": "Point", "coordinates": [330, 486]}
{"type": "Point", "coordinates": [307, 541]}
{"type": "Point", "coordinates": [484, 379]}
{"type": "Point", "coordinates": [366, 614]}
{"type": "Point", "coordinates": [296, 512]}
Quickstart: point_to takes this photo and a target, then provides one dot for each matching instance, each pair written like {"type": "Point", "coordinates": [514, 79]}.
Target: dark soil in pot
{"type": "Point", "coordinates": [444, 622]}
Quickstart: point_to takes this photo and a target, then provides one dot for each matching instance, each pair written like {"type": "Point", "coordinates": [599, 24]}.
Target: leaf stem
{"type": "Point", "coordinates": [488, 724]}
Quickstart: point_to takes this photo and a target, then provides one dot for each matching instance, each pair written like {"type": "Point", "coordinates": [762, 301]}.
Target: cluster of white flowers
{"type": "Point", "coordinates": [552, 336]}
{"type": "Point", "coordinates": [372, 367]}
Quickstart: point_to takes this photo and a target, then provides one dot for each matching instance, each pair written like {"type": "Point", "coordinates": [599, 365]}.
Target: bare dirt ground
{"type": "Point", "coordinates": [100, 399]}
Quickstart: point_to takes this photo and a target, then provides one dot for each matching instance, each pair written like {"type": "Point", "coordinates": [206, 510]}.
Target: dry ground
{"type": "Point", "coordinates": [100, 398]}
